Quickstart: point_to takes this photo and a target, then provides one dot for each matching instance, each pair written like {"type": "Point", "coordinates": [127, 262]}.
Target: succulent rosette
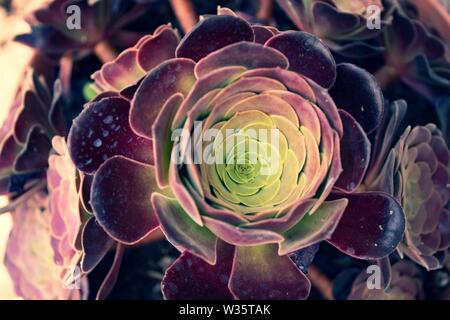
{"type": "Point", "coordinates": [55, 31]}
{"type": "Point", "coordinates": [343, 25]}
{"type": "Point", "coordinates": [33, 265]}
{"type": "Point", "coordinates": [406, 284]}
{"type": "Point", "coordinates": [235, 215]}
{"type": "Point", "coordinates": [416, 171]}
{"type": "Point", "coordinates": [415, 52]}
{"type": "Point", "coordinates": [34, 118]}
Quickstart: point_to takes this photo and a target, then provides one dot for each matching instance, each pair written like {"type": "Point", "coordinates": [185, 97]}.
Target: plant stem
{"type": "Point", "coordinates": [385, 76]}
{"type": "Point", "coordinates": [12, 205]}
{"type": "Point", "coordinates": [105, 52]}
{"type": "Point", "coordinates": [265, 10]}
{"type": "Point", "coordinates": [185, 13]}
{"type": "Point", "coordinates": [320, 282]}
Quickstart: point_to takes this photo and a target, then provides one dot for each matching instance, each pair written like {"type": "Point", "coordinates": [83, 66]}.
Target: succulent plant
{"type": "Point", "coordinates": [35, 268]}
{"type": "Point", "coordinates": [343, 25]}
{"type": "Point", "coordinates": [235, 220]}
{"type": "Point", "coordinates": [406, 284]}
{"type": "Point", "coordinates": [100, 20]}
{"type": "Point", "coordinates": [34, 118]}
{"type": "Point", "coordinates": [416, 171]}
{"type": "Point", "coordinates": [416, 52]}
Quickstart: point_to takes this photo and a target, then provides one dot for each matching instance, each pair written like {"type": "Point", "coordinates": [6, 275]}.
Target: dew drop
{"type": "Point", "coordinates": [98, 143]}
{"type": "Point", "coordinates": [109, 119]}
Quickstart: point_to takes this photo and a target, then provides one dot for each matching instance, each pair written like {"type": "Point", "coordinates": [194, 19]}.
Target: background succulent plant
{"type": "Point", "coordinates": [34, 118]}
{"type": "Point", "coordinates": [100, 20]}
{"type": "Point", "coordinates": [34, 266]}
{"type": "Point", "coordinates": [406, 284]}
{"type": "Point", "coordinates": [416, 171]}
{"type": "Point", "coordinates": [343, 25]}
{"type": "Point", "coordinates": [415, 51]}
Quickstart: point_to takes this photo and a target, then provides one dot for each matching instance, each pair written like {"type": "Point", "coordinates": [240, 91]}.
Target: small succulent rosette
{"type": "Point", "coordinates": [234, 203]}
{"type": "Point", "coordinates": [345, 26]}
{"type": "Point", "coordinates": [406, 284]}
{"type": "Point", "coordinates": [36, 269]}
{"type": "Point", "coordinates": [416, 170]}
{"type": "Point", "coordinates": [77, 26]}
{"type": "Point", "coordinates": [415, 52]}
{"type": "Point", "coordinates": [36, 116]}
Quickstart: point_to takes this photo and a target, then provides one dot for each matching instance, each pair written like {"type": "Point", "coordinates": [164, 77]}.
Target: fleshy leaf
{"type": "Point", "coordinates": [372, 225]}
{"type": "Point", "coordinates": [171, 77]}
{"type": "Point", "coordinates": [124, 71]}
{"type": "Point", "coordinates": [182, 231]}
{"type": "Point", "coordinates": [34, 156]}
{"type": "Point", "coordinates": [357, 92]}
{"type": "Point", "coordinates": [213, 33]}
{"type": "Point", "coordinates": [96, 244]}
{"type": "Point", "coordinates": [85, 191]}
{"type": "Point", "coordinates": [162, 133]}
{"type": "Point", "coordinates": [34, 112]}
{"type": "Point", "coordinates": [259, 273]}
{"type": "Point", "coordinates": [303, 258]}
{"type": "Point", "coordinates": [158, 49]}
{"type": "Point", "coordinates": [113, 274]}
{"type": "Point", "coordinates": [121, 199]}
{"type": "Point", "coordinates": [246, 54]}
{"type": "Point", "coordinates": [262, 34]}
{"type": "Point", "coordinates": [102, 131]}
{"type": "Point", "coordinates": [355, 154]}
{"type": "Point", "coordinates": [314, 228]}
{"type": "Point", "coordinates": [241, 236]}
{"type": "Point", "coordinates": [190, 277]}
{"type": "Point", "coordinates": [307, 55]}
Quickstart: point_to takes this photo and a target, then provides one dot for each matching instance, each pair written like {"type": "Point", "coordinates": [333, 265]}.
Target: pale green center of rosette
{"type": "Point", "coordinates": [254, 162]}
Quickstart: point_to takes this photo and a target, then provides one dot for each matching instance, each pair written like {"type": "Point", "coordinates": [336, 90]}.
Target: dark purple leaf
{"type": "Point", "coordinates": [307, 55]}
{"type": "Point", "coordinates": [102, 131]}
{"type": "Point", "coordinates": [120, 198]}
{"type": "Point", "coordinates": [190, 277]}
{"type": "Point", "coordinates": [213, 33]}
{"type": "Point", "coordinates": [357, 92]}
{"type": "Point", "coordinates": [372, 225]}
{"type": "Point", "coordinates": [355, 154]}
